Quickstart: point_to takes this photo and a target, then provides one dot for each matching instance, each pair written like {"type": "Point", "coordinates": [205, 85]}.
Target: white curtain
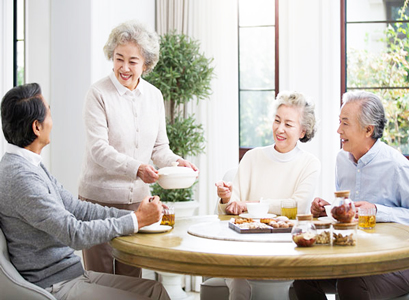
{"type": "Point", "coordinates": [214, 24]}
{"type": "Point", "coordinates": [172, 15]}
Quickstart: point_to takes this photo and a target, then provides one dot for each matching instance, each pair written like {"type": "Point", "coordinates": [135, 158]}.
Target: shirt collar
{"type": "Point", "coordinates": [368, 156]}
{"type": "Point", "coordinates": [32, 157]}
{"type": "Point", "coordinates": [124, 90]}
{"type": "Point", "coordinates": [284, 157]}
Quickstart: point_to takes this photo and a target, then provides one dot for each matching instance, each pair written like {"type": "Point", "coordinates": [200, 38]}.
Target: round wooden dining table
{"type": "Point", "coordinates": [205, 245]}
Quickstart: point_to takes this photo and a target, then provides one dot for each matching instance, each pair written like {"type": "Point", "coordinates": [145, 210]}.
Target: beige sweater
{"type": "Point", "coordinates": [265, 173]}
{"type": "Point", "coordinates": [124, 129]}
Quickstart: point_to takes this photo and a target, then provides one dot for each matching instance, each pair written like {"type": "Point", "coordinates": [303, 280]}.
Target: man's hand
{"type": "Point", "coordinates": [317, 207]}
{"type": "Point", "coordinates": [363, 204]}
{"type": "Point", "coordinates": [147, 173]}
{"type": "Point", "coordinates": [149, 211]}
{"type": "Point", "coordinates": [236, 208]}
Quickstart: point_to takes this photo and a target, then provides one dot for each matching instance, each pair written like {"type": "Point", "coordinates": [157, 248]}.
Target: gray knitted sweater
{"type": "Point", "coordinates": [43, 223]}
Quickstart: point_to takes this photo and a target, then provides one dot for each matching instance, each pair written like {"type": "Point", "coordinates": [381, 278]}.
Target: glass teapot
{"type": "Point", "coordinates": [343, 208]}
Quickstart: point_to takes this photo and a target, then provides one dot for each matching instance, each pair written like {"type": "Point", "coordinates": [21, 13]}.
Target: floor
{"type": "Point", "coordinates": [196, 295]}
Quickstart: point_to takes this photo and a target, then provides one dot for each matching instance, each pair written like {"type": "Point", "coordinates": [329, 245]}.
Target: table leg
{"type": "Point", "coordinates": [173, 285]}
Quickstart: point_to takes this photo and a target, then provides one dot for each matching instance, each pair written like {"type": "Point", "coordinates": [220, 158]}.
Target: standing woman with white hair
{"type": "Point", "coordinates": [125, 128]}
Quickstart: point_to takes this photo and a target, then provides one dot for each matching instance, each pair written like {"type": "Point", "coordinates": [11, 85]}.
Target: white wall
{"type": "Point", "coordinates": [38, 52]}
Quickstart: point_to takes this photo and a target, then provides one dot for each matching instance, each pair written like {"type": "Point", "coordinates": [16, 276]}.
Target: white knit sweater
{"type": "Point", "coordinates": [124, 129]}
{"type": "Point", "coordinates": [265, 173]}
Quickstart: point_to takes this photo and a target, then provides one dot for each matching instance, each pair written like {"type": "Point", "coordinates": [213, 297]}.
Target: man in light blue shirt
{"type": "Point", "coordinates": [377, 176]}
{"type": "Point", "coordinates": [380, 177]}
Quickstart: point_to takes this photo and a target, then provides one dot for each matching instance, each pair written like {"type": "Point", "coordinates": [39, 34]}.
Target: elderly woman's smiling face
{"type": "Point", "coordinates": [129, 64]}
{"type": "Point", "coordinates": [287, 128]}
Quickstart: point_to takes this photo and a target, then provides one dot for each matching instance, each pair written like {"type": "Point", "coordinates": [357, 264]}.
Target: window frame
{"type": "Point", "coordinates": [243, 150]}
{"type": "Point", "coordinates": [17, 40]}
{"type": "Point", "coordinates": [343, 14]}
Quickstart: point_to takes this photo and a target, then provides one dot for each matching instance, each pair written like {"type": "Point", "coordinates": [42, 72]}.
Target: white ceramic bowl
{"type": "Point", "coordinates": [257, 209]}
{"type": "Point", "coordinates": [176, 177]}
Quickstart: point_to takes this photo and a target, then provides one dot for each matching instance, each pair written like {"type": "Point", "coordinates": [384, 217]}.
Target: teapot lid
{"type": "Point", "coordinates": [304, 217]}
{"type": "Point", "coordinates": [342, 193]}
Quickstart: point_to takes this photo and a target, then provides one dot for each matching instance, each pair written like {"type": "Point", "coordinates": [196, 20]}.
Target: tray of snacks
{"type": "Point", "coordinates": [273, 225]}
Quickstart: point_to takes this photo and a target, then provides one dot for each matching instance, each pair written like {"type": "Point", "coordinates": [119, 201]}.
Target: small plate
{"type": "Point", "coordinates": [155, 229]}
{"type": "Point", "coordinates": [327, 219]}
{"type": "Point", "coordinates": [249, 216]}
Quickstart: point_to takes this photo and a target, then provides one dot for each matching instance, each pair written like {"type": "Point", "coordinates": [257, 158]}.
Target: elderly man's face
{"type": "Point", "coordinates": [353, 136]}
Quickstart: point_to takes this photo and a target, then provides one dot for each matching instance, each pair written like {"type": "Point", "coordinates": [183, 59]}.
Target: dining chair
{"type": "Point", "coordinates": [293, 296]}
{"type": "Point", "coordinates": [12, 285]}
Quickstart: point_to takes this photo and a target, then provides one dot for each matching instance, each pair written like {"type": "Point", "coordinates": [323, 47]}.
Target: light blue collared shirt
{"type": "Point", "coordinates": [381, 177]}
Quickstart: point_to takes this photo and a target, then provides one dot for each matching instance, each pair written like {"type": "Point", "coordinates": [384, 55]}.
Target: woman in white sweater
{"type": "Point", "coordinates": [125, 128]}
{"type": "Point", "coordinates": [280, 171]}
{"type": "Point", "coordinates": [275, 173]}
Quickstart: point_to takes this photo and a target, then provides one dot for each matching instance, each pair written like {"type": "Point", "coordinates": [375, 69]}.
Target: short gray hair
{"type": "Point", "coordinates": [135, 32]}
{"type": "Point", "coordinates": [306, 107]}
{"type": "Point", "coordinates": [371, 110]}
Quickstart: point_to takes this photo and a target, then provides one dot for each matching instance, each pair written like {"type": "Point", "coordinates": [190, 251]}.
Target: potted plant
{"type": "Point", "coordinates": [183, 74]}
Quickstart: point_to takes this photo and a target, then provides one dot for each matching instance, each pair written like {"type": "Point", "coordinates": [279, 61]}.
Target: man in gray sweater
{"type": "Point", "coordinates": [43, 223]}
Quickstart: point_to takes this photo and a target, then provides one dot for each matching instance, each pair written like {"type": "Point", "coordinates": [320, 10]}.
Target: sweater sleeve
{"type": "Point", "coordinates": [46, 206]}
{"type": "Point", "coordinates": [241, 181]}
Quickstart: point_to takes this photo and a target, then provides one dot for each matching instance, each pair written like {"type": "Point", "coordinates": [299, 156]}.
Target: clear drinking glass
{"type": "Point", "coordinates": [366, 217]}
{"type": "Point", "coordinates": [168, 216]}
{"type": "Point", "coordinates": [289, 208]}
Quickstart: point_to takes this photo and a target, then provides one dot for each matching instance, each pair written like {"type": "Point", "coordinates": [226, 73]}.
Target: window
{"type": "Point", "coordinates": [19, 42]}
{"type": "Point", "coordinates": [258, 71]}
{"type": "Point", "coordinates": [375, 59]}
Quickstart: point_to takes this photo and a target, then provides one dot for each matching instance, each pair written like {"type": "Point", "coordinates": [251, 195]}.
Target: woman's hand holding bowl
{"type": "Point", "coordinates": [147, 173]}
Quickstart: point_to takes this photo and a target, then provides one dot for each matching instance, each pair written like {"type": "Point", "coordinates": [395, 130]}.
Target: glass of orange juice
{"type": "Point", "coordinates": [289, 208]}
{"type": "Point", "coordinates": [366, 217]}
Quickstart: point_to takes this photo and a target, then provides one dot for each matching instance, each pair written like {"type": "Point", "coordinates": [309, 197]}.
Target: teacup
{"type": "Point", "coordinates": [366, 217]}
{"type": "Point", "coordinates": [257, 209]}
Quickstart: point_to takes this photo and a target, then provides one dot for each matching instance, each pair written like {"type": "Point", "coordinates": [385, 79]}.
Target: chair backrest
{"type": "Point", "coordinates": [12, 284]}
{"type": "Point", "coordinates": [230, 174]}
